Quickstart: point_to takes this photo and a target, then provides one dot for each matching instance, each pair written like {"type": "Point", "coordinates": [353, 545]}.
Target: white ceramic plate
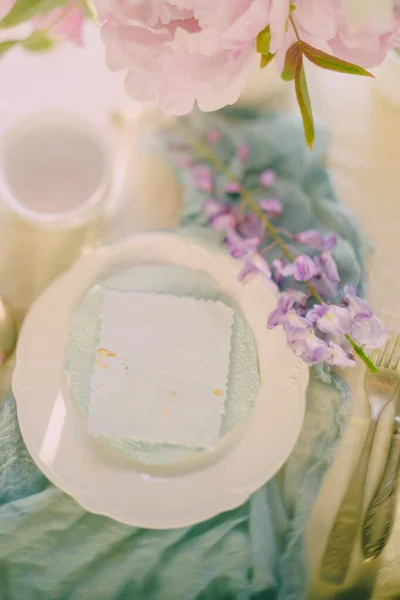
{"type": "Point", "coordinates": [102, 480]}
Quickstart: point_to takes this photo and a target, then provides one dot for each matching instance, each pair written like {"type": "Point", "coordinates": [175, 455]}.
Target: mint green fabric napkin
{"type": "Point", "coordinates": [52, 549]}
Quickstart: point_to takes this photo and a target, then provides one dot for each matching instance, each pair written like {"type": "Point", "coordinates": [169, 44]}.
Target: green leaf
{"type": "Point", "coordinates": [263, 41]}
{"type": "Point", "coordinates": [266, 59]}
{"type": "Point", "coordinates": [24, 10]}
{"type": "Point", "coordinates": [303, 99]}
{"type": "Point", "coordinates": [38, 41]}
{"type": "Point", "coordinates": [6, 46]}
{"type": "Point", "coordinates": [293, 61]}
{"type": "Point", "coordinates": [327, 61]}
{"type": "Point", "coordinates": [90, 10]}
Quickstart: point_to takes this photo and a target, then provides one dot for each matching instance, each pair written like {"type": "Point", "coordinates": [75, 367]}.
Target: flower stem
{"type": "Point", "coordinates": [295, 29]}
{"type": "Point", "coordinates": [198, 145]}
{"type": "Point", "coordinates": [360, 352]}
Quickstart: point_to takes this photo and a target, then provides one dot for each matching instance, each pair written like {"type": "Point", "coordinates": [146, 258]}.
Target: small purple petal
{"type": "Point", "coordinates": [281, 270]}
{"type": "Point", "coordinates": [248, 270]}
{"type": "Point", "coordinates": [311, 238]}
{"type": "Point", "coordinates": [330, 242]}
{"type": "Point", "coordinates": [213, 136]}
{"type": "Point", "coordinates": [369, 332]}
{"type": "Point", "coordinates": [223, 222]}
{"type": "Point", "coordinates": [327, 278]}
{"type": "Point", "coordinates": [294, 325]}
{"type": "Point", "coordinates": [212, 207]}
{"type": "Point", "coordinates": [350, 290]}
{"type": "Point", "coordinates": [340, 358]}
{"type": "Point", "coordinates": [240, 247]}
{"type": "Point", "coordinates": [358, 307]}
{"type": "Point", "coordinates": [336, 321]}
{"type": "Point", "coordinates": [291, 299]}
{"type": "Point", "coordinates": [243, 152]}
{"type": "Point", "coordinates": [272, 207]}
{"type": "Point", "coordinates": [317, 312]}
{"type": "Point", "coordinates": [251, 226]}
{"type": "Point", "coordinates": [288, 300]}
{"type": "Point", "coordinates": [275, 318]}
{"type": "Point", "coordinates": [262, 265]}
{"type": "Point", "coordinates": [232, 187]}
{"type": "Point", "coordinates": [257, 265]}
{"type": "Point", "coordinates": [267, 178]}
{"type": "Point", "coordinates": [329, 266]}
{"type": "Point", "coordinates": [202, 178]}
{"type": "Point", "coordinates": [304, 268]}
{"type": "Point", "coordinates": [310, 348]}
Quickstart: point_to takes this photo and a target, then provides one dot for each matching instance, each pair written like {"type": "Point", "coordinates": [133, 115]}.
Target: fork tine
{"type": "Point", "coordinates": [374, 355]}
{"type": "Point", "coordinates": [384, 357]}
{"type": "Point", "coordinates": [395, 359]}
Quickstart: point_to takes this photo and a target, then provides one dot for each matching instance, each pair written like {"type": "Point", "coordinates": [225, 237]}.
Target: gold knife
{"type": "Point", "coordinates": [379, 518]}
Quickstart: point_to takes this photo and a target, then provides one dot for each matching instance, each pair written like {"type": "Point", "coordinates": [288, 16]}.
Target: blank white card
{"type": "Point", "coordinates": [161, 369]}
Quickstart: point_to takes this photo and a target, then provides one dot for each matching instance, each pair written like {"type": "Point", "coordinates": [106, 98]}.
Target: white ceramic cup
{"type": "Point", "coordinates": [55, 180]}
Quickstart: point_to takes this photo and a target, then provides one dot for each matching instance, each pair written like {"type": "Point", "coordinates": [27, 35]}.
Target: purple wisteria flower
{"type": "Point", "coordinates": [358, 307]}
{"type": "Point", "coordinates": [328, 332]}
{"type": "Point", "coordinates": [288, 300]}
{"type": "Point", "coordinates": [310, 348]}
{"type": "Point", "coordinates": [369, 332]}
{"type": "Point", "coordinates": [304, 268]}
{"type": "Point", "coordinates": [339, 357]}
{"type": "Point", "coordinates": [327, 277]}
{"type": "Point", "coordinates": [243, 152]}
{"type": "Point", "coordinates": [267, 178]}
{"type": "Point", "coordinates": [255, 265]}
{"type": "Point", "coordinates": [250, 226]}
{"type": "Point", "coordinates": [221, 216]}
{"type": "Point", "coordinates": [281, 270]}
{"type": "Point", "coordinates": [295, 325]}
{"type": "Point", "coordinates": [223, 221]}
{"type": "Point", "coordinates": [213, 136]}
{"type": "Point", "coordinates": [232, 187]}
{"type": "Point", "coordinates": [213, 207]}
{"type": "Point", "coordinates": [315, 239]}
{"type": "Point", "coordinates": [367, 329]}
{"type": "Point", "coordinates": [241, 247]}
{"type": "Point", "coordinates": [331, 319]}
{"type": "Point", "coordinates": [272, 207]}
{"type": "Point", "coordinates": [203, 178]}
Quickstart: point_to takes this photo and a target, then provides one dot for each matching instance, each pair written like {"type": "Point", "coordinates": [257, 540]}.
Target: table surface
{"type": "Point", "coordinates": [364, 163]}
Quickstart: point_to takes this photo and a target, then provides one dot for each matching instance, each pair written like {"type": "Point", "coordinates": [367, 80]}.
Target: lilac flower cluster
{"type": "Point", "coordinates": [318, 328]}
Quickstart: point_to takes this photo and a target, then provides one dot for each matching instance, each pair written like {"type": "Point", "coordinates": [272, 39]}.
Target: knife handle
{"type": "Point", "coordinates": [339, 548]}
{"type": "Point", "coordinates": [378, 520]}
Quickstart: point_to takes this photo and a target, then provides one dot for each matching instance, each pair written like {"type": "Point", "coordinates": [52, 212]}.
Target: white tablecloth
{"type": "Point", "coordinates": [365, 162]}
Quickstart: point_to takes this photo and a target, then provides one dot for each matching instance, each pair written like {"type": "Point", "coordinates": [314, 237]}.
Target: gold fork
{"type": "Point", "coordinates": [380, 388]}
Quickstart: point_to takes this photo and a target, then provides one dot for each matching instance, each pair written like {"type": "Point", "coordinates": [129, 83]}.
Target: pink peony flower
{"type": "Point", "coordinates": [178, 52]}
{"type": "Point", "coordinates": [5, 7]}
